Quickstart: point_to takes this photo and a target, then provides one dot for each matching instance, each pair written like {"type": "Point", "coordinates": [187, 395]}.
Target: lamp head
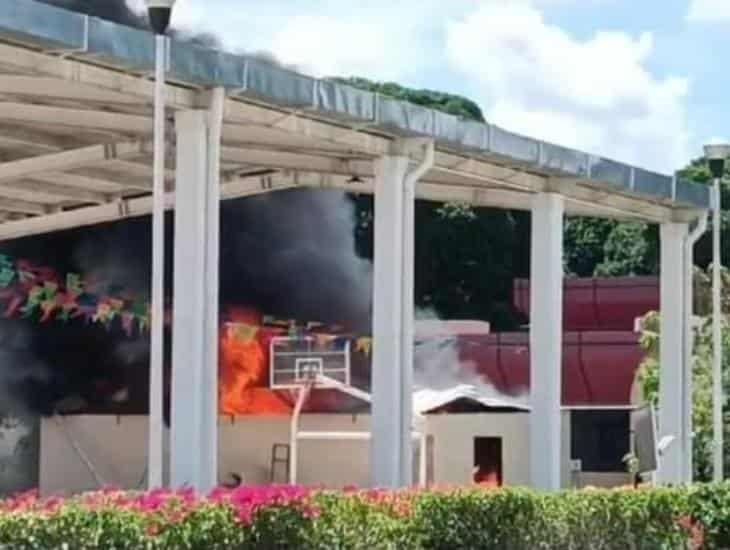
{"type": "Point", "coordinates": [716, 154]}
{"type": "Point", "coordinates": [159, 12]}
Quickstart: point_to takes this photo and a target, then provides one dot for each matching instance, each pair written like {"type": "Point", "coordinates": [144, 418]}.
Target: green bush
{"type": "Point", "coordinates": [271, 518]}
{"type": "Point", "coordinates": [619, 519]}
{"type": "Point", "coordinates": [709, 505]}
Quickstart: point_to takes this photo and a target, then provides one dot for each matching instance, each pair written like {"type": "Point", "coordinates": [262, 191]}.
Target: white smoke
{"type": "Point", "coordinates": [438, 366]}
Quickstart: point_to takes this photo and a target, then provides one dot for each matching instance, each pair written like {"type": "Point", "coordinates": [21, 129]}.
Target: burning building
{"type": "Point", "coordinates": [89, 383]}
{"type": "Point", "coordinates": [474, 431]}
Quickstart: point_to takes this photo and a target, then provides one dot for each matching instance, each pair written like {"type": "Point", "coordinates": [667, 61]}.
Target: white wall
{"type": "Point", "coordinates": [245, 447]}
{"type": "Point", "coordinates": [454, 445]}
{"type": "Point", "coordinates": [116, 446]}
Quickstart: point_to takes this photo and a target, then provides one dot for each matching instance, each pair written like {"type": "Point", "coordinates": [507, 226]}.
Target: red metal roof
{"type": "Point", "coordinates": [599, 303]}
{"type": "Point", "coordinates": [599, 368]}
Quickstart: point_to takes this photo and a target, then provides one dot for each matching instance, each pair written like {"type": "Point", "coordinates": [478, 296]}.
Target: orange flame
{"type": "Point", "coordinates": [244, 367]}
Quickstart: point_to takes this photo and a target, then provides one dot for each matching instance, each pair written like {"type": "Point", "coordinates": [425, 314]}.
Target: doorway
{"type": "Point", "coordinates": [488, 461]}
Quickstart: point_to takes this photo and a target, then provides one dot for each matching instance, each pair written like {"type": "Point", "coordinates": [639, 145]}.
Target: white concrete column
{"type": "Point", "coordinates": [194, 442]}
{"type": "Point", "coordinates": [671, 353]}
{"type": "Point", "coordinates": [546, 340]}
{"type": "Point", "coordinates": [408, 330]}
{"type": "Point", "coordinates": [387, 407]}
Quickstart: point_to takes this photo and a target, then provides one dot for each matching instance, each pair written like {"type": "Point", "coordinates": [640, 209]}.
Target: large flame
{"type": "Point", "coordinates": [244, 367]}
{"type": "Point", "coordinates": [244, 386]}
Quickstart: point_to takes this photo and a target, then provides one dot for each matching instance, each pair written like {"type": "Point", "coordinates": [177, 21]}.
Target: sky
{"type": "Point", "coordinates": [640, 81]}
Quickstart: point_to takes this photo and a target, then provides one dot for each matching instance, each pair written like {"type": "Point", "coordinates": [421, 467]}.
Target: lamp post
{"type": "Point", "coordinates": [159, 12]}
{"type": "Point", "coordinates": [716, 156]}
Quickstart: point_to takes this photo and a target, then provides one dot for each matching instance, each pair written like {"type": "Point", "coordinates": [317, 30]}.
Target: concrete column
{"type": "Point", "coordinates": [387, 407]}
{"type": "Point", "coordinates": [194, 442]}
{"type": "Point", "coordinates": [546, 340]}
{"type": "Point", "coordinates": [671, 353]}
{"type": "Point", "coordinates": [408, 329]}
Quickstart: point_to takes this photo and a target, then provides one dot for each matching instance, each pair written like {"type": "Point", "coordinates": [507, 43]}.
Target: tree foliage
{"type": "Point", "coordinates": [448, 103]}
{"type": "Point", "coordinates": [609, 248]}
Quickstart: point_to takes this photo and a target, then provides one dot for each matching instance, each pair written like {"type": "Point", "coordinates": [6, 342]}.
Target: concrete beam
{"type": "Point", "coordinates": [22, 207]}
{"type": "Point", "coordinates": [121, 123]}
{"type": "Point", "coordinates": [33, 63]}
{"type": "Point", "coordinates": [142, 206]}
{"type": "Point", "coordinates": [69, 160]}
{"type": "Point", "coordinates": [58, 88]}
{"type": "Point", "coordinates": [77, 181]}
{"type": "Point", "coordinates": [60, 192]}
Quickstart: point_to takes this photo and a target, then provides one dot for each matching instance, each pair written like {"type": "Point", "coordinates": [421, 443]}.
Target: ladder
{"type": "Point", "coordinates": [280, 455]}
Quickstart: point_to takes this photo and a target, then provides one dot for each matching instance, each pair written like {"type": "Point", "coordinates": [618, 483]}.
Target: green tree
{"type": "Point", "coordinates": [448, 103]}
{"type": "Point", "coordinates": [584, 240]}
{"type": "Point", "coordinates": [597, 247]}
{"type": "Point", "coordinates": [629, 251]}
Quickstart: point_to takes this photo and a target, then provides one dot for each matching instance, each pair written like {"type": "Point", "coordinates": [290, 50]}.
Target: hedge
{"type": "Point", "coordinates": [297, 517]}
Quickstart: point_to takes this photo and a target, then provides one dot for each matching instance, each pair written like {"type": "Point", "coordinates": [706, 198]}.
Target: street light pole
{"type": "Point", "coordinates": [159, 12]}
{"type": "Point", "coordinates": [716, 156]}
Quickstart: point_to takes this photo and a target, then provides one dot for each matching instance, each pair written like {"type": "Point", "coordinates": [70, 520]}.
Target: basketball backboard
{"type": "Point", "coordinates": [294, 362]}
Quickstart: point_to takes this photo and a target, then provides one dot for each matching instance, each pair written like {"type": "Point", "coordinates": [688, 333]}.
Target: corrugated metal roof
{"type": "Point", "coordinates": [428, 400]}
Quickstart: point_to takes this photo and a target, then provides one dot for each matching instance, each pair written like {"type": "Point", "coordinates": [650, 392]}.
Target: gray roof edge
{"type": "Point", "coordinates": [47, 27]}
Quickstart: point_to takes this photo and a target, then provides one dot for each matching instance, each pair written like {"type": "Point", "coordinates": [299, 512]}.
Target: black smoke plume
{"type": "Point", "coordinates": [119, 11]}
{"type": "Point", "coordinates": [288, 254]}
{"type": "Point", "coordinates": [112, 10]}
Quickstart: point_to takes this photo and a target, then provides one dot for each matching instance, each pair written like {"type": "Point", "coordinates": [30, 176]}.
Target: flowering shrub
{"type": "Point", "coordinates": [274, 517]}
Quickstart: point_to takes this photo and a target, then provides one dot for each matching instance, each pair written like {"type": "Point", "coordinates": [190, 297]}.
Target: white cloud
{"type": "Point", "coordinates": [595, 94]}
{"type": "Point", "coordinates": [380, 39]}
{"type": "Point", "coordinates": [330, 46]}
{"type": "Point", "coordinates": [708, 11]}
{"type": "Point", "coordinates": [716, 140]}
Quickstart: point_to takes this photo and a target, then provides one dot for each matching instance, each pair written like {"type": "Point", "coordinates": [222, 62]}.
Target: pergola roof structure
{"type": "Point", "coordinates": [76, 129]}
